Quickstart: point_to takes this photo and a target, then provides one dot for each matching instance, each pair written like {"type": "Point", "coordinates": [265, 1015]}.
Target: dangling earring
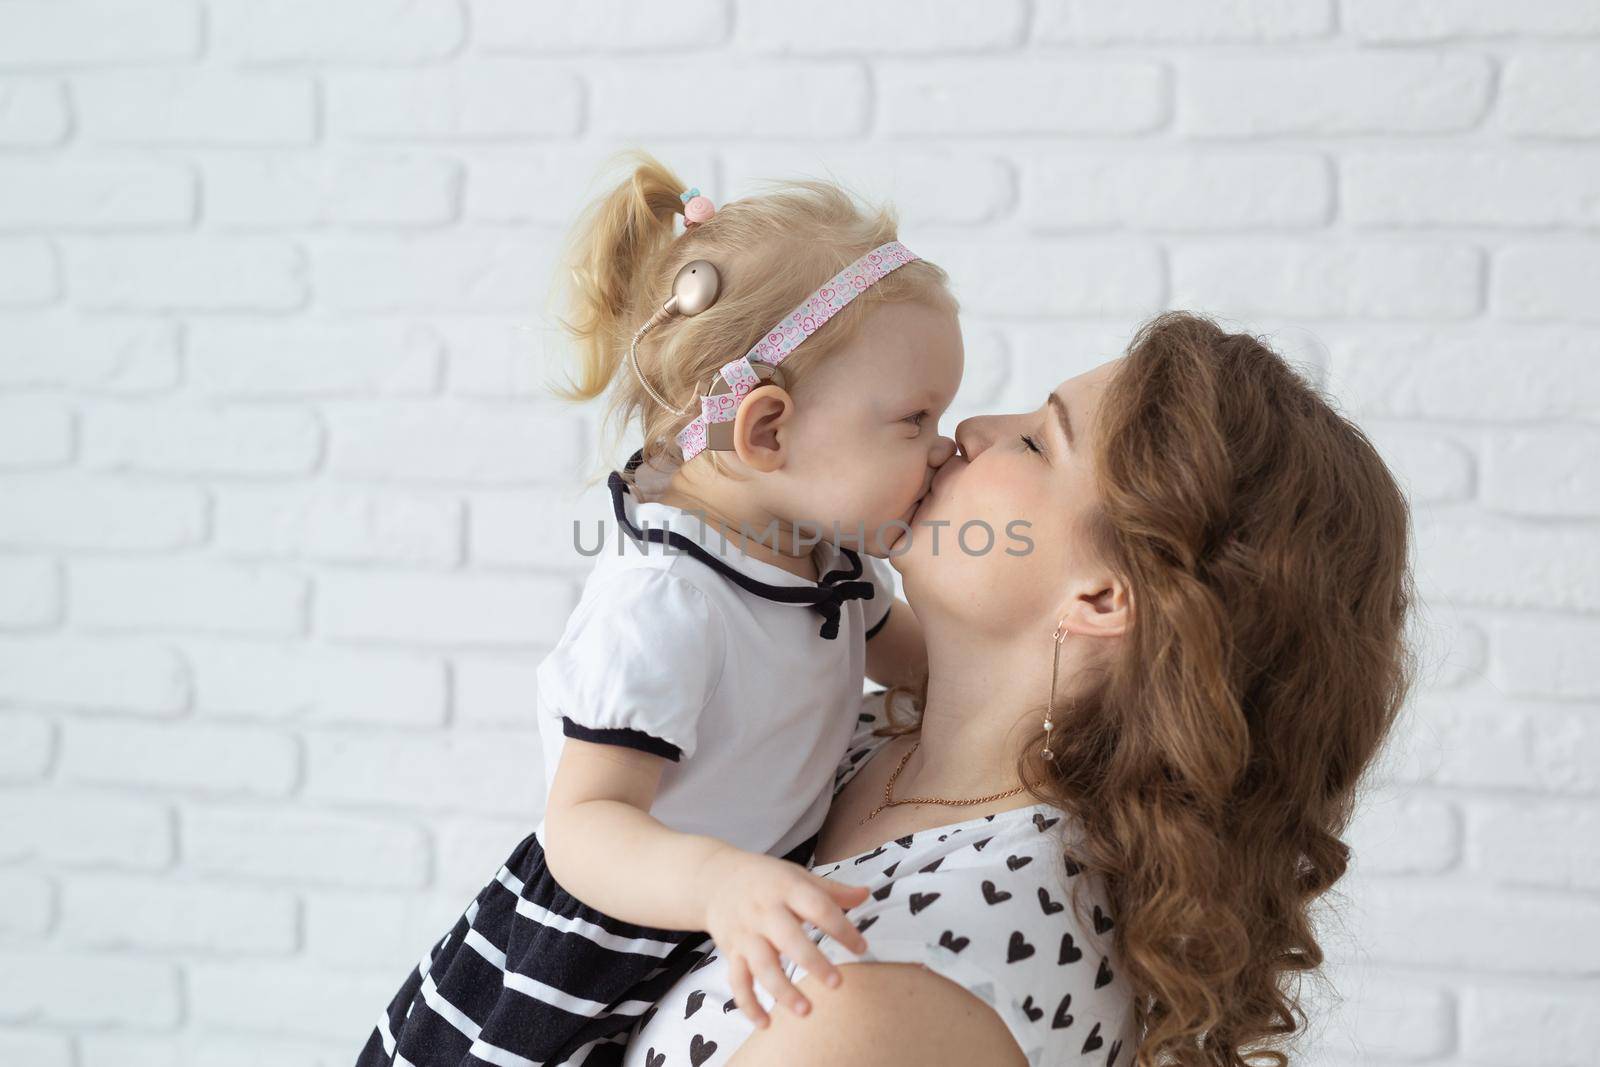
{"type": "Point", "coordinates": [1060, 634]}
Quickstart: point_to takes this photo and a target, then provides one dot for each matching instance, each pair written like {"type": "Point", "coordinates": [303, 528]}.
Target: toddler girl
{"type": "Point", "coordinates": [787, 360]}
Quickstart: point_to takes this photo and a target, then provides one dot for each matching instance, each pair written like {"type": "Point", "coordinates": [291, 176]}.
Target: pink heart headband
{"type": "Point", "coordinates": [695, 289]}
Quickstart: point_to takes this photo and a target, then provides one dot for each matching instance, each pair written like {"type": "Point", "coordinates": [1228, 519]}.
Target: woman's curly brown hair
{"type": "Point", "coordinates": [1214, 763]}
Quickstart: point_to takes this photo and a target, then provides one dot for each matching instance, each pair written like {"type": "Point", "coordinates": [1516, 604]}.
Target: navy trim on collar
{"type": "Point", "coordinates": [836, 587]}
{"type": "Point", "coordinates": [873, 631]}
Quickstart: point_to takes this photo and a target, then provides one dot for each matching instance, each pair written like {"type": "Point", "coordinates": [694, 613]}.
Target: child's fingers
{"type": "Point", "coordinates": [826, 916]}
{"type": "Point", "coordinates": [764, 962]}
{"type": "Point", "coordinates": [744, 993]}
{"type": "Point", "coordinates": [848, 896]}
{"type": "Point", "coordinates": [802, 950]}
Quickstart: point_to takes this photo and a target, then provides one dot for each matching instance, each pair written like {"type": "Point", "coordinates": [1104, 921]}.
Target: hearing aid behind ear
{"type": "Point", "coordinates": [694, 289]}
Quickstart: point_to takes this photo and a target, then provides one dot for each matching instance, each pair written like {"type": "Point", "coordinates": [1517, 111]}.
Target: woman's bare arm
{"type": "Point", "coordinates": [884, 1015]}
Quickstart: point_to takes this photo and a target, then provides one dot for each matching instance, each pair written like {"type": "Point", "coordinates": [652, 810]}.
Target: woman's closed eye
{"type": "Point", "coordinates": [1033, 446]}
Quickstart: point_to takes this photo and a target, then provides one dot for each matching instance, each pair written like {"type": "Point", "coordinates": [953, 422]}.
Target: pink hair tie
{"type": "Point", "coordinates": [696, 208]}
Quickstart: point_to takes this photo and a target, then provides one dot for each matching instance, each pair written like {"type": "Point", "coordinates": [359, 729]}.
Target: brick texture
{"type": "Point", "coordinates": [286, 509]}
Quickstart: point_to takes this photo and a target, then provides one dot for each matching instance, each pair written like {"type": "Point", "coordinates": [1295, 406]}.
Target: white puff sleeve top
{"type": "Point", "coordinates": [742, 675]}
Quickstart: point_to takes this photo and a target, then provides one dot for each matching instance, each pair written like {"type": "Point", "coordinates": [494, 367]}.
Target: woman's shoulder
{"type": "Point", "coordinates": [987, 904]}
{"type": "Point", "coordinates": [982, 903]}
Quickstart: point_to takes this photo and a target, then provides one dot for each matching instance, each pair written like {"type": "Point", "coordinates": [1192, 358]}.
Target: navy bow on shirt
{"type": "Point", "coordinates": [836, 587]}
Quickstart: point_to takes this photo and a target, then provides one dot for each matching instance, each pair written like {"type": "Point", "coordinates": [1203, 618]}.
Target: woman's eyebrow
{"type": "Point", "coordinates": [1061, 413]}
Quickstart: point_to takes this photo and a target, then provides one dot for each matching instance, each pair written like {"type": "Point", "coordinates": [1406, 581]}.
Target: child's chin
{"type": "Point", "coordinates": [894, 537]}
{"type": "Point", "coordinates": [907, 537]}
{"type": "Point", "coordinates": [923, 511]}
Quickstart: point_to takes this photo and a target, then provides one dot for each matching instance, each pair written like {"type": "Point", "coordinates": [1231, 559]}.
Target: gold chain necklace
{"type": "Point", "coordinates": [890, 802]}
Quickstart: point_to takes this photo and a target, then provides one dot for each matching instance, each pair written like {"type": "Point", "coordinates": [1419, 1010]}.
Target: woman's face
{"type": "Point", "coordinates": [999, 540]}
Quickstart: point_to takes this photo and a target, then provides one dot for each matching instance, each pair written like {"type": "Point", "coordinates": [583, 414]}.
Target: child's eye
{"type": "Point", "coordinates": [1027, 439]}
{"type": "Point", "coordinates": [915, 420]}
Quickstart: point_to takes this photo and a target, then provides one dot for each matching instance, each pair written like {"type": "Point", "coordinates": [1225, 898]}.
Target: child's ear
{"type": "Point", "coordinates": [761, 414]}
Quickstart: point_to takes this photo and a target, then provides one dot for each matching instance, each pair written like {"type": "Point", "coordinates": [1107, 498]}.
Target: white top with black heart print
{"type": "Point", "coordinates": [982, 902]}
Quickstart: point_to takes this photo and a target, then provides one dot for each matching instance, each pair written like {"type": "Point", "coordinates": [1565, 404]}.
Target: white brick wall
{"type": "Point", "coordinates": [283, 505]}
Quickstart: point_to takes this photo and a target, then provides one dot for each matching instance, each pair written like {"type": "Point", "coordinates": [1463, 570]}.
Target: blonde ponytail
{"type": "Point", "coordinates": [618, 236]}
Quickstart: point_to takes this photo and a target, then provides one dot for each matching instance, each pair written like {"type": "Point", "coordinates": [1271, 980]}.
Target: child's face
{"type": "Point", "coordinates": [865, 442]}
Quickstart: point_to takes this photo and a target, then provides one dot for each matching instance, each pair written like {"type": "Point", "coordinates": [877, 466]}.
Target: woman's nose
{"type": "Point", "coordinates": [971, 436]}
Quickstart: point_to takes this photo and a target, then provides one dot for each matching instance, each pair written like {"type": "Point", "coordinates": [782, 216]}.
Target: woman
{"type": "Point", "coordinates": [1225, 562]}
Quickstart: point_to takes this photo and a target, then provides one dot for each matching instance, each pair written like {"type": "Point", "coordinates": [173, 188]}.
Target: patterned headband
{"type": "Point", "coordinates": [776, 345]}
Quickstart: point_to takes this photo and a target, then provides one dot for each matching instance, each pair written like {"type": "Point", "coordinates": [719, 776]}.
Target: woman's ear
{"type": "Point", "coordinates": [757, 423]}
{"type": "Point", "coordinates": [1102, 608]}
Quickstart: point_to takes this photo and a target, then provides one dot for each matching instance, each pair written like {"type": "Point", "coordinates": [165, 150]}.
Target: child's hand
{"type": "Point", "coordinates": [754, 908]}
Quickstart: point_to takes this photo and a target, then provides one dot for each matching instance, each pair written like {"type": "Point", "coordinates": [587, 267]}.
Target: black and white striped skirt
{"type": "Point", "coordinates": [530, 975]}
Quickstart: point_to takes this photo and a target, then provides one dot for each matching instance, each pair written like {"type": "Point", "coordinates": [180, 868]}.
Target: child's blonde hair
{"type": "Point", "coordinates": [771, 252]}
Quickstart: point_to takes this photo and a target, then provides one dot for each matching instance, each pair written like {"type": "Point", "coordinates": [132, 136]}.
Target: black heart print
{"type": "Point", "coordinates": [955, 944]}
{"type": "Point", "coordinates": [1102, 921]}
{"type": "Point", "coordinates": [988, 818]}
{"type": "Point", "coordinates": [1063, 1017]}
{"type": "Point", "coordinates": [644, 1020]}
{"type": "Point", "coordinates": [979, 844]}
{"type": "Point", "coordinates": [731, 1004]}
{"type": "Point", "coordinates": [1103, 976]}
{"type": "Point", "coordinates": [864, 717]}
{"type": "Point", "coordinates": [922, 900]}
{"type": "Point", "coordinates": [1070, 953]}
{"type": "Point", "coordinates": [861, 927]}
{"type": "Point", "coordinates": [930, 868]}
{"type": "Point", "coordinates": [1018, 949]}
{"type": "Point", "coordinates": [1050, 906]}
{"type": "Point", "coordinates": [1042, 823]}
{"type": "Point", "coordinates": [993, 895]}
{"type": "Point", "coordinates": [882, 893]}
{"type": "Point", "coordinates": [1093, 1041]}
{"type": "Point", "coordinates": [1032, 1012]}
{"type": "Point", "coordinates": [697, 998]}
{"type": "Point", "coordinates": [1073, 870]}
{"type": "Point", "coordinates": [652, 1058]}
{"type": "Point", "coordinates": [903, 842]}
{"type": "Point", "coordinates": [880, 850]}
{"type": "Point", "coordinates": [700, 1050]}
{"type": "Point", "coordinates": [1016, 863]}
{"type": "Point", "coordinates": [703, 961]}
{"type": "Point", "coordinates": [888, 872]}
{"type": "Point", "coordinates": [1111, 1057]}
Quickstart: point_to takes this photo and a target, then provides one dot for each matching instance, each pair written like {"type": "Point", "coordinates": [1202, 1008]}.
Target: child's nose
{"type": "Point", "coordinates": [942, 450]}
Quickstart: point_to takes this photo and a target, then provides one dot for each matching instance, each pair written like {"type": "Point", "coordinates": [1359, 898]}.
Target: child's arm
{"type": "Point", "coordinates": [603, 847]}
{"type": "Point", "coordinates": [897, 653]}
